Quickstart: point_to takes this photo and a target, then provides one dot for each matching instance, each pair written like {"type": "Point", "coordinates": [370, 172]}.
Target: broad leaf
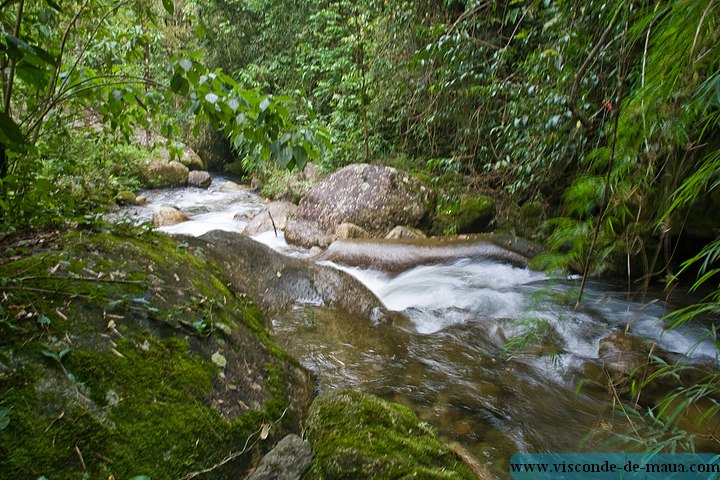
{"type": "Point", "coordinates": [179, 84]}
{"type": "Point", "coordinates": [11, 130]}
{"type": "Point", "coordinates": [169, 6]}
{"type": "Point", "coordinates": [54, 6]}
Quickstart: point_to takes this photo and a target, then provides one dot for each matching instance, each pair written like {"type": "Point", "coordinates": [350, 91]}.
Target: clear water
{"type": "Point", "coordinates": [447, 361]}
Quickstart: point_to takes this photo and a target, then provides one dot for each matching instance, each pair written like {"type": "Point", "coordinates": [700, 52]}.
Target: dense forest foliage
{"type": "Point", "coordinates": [601, 116]}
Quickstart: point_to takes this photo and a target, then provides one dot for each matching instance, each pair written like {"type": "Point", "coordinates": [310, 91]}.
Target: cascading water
{"type": "Point", "coordinates": [449, 360]}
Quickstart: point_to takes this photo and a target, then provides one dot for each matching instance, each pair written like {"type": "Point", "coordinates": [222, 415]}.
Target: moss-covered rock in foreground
{"type": "Point", "coordinates": [127, 355]}
{"type": "Point", "coordinates": [356, 435]}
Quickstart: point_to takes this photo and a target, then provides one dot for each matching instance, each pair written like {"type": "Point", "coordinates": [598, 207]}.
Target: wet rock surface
{"type": "Point", "coordinates": [277, 281]}
{"type": "Point", "coordinates": [403, 254]}
{"type": "Point", "coordinates": [164, 216]}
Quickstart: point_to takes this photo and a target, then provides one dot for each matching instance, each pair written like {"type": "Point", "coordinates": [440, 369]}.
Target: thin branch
{"type": "Point", "coordinates": [69, 94]}
{"type": "Point", "coordinates": [572, 100]}
{"type": "Point", "coordinates": [272, 220]}
{"type": "Point", "coordinates": [606, 195]}
{"type": "Point", "coordinates": [80, 279]}
{"type": "Point", "coordinates": [467, 15]}
{"type": "Point", "coordinates": [90, 40]}
{"type": "Point", "coordinates": [36, 126]}
{"type": "Point", "coordinates": [11, 76]}
{"type": "Point", "coordinates": [63, 44]}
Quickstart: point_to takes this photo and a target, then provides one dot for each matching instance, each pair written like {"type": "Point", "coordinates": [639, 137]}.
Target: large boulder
{"type": "Point", "coordinates": [277, 281]}
{"type": "Point", "coordinates": [157, 173]}
{"type": "Point", "coordinates": [372, 197]}
{"type": "Point", "coordinates": [153, 367]}
{"type": "Point", "coordinates": [356, 435]}
{"type": "Point", "coordinates": [274, 215]}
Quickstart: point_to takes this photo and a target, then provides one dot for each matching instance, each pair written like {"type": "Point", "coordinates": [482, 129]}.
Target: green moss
{"type": "Point", "coordinates": [135, 391]}
{"type": "Point", "coordinates": [469, 214]}
{"type": "Point", "coordinates": [356, 435]}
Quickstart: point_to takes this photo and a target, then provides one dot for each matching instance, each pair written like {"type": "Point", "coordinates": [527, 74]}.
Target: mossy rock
{"type": "Point", "coordinates": [356, 435]}
{"type": "Point", "coordinates": [125, 355]}
{"type": "Point", "coordinates": [470, 214]}
{"type": "Point", "coordinates": [126, 197]}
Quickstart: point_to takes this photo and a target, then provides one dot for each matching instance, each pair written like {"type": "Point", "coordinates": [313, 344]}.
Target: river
{"type": "Point", "coordinates": [449, 362]}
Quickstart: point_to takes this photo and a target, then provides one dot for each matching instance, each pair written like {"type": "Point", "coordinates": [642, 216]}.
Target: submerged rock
{"type": "Point", "coordinates": [277, 281]}
{"type": "Point", "coordinates": [372, 197]}
{"type": "Point", "coordinates": [356, 435]}
{"type": "Point", "coordinates": [128, 355]}
{"type": "Point", "coordinates": [199, 179]}
{"type": "Point", "coordinates": [399, 255]}
{"type": "Point", "coordinates": [165, 216]}
{"type": "Point", "coordinates": [229, 187]}
{"type": "Point", "coordinates": [273, 215]}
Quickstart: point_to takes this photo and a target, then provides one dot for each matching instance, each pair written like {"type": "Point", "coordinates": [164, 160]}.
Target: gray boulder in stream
{"type": "Point", "coordinates": [372, 197]}
{"type": "Point", "coordinates": [277, 281]}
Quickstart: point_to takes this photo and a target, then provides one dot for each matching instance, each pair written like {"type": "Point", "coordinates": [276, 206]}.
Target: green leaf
{"type": "Point", "coordinates": [51, 355]}
{"type": "Point", "coordinates": [300, 156]}
{"type": "Point", "coordinates": [169, 6]}
{"type": "Point", "coordinates": [179, 84]}
{"type": "Point", "coordinates": [285, 156]}
{"type": "Point", "coordinates": [4, 418]}
{"type": "Point", "coordinates": [33, 75]}
{"type": "Point", "coordinates": [11, 130]}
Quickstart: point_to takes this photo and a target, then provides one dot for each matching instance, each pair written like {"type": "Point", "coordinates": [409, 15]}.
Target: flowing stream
{"type": "Point", "coordinates": [448, 361]}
